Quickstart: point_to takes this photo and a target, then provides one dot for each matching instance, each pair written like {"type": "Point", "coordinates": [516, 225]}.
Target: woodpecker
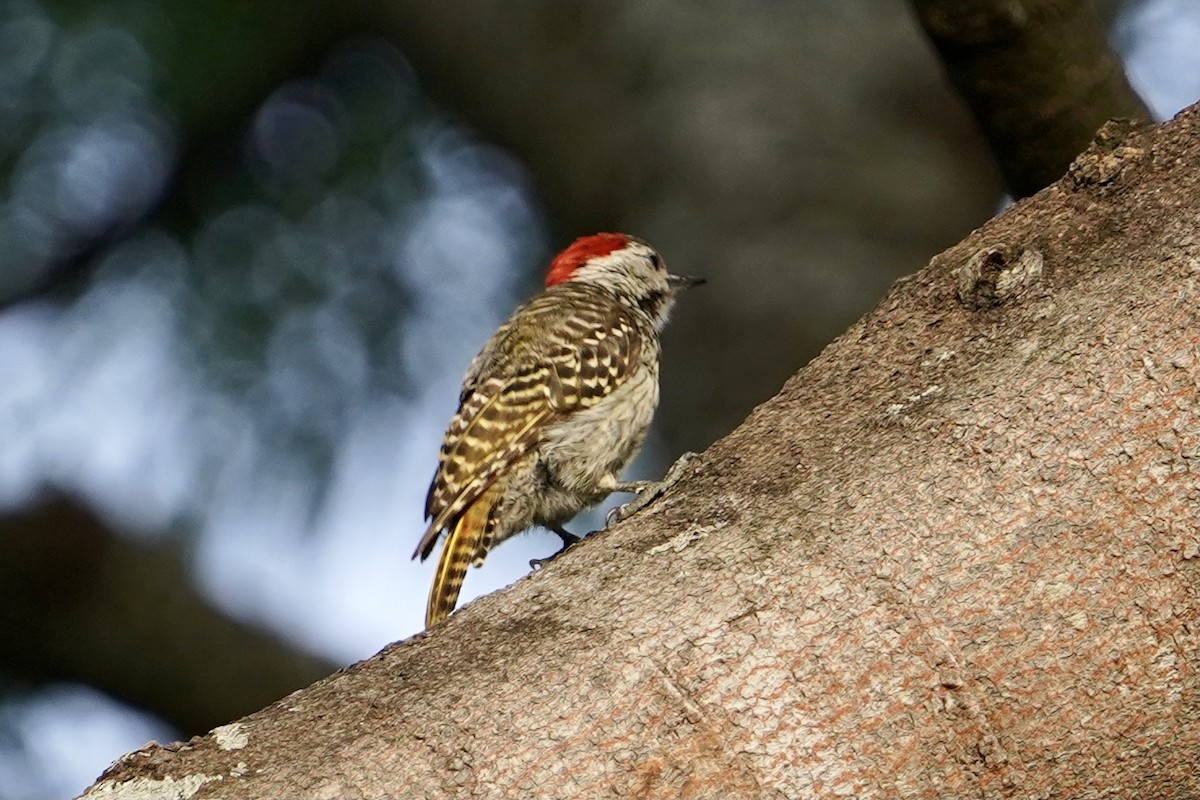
{"type": "Point", "coordinates": [553, 408]}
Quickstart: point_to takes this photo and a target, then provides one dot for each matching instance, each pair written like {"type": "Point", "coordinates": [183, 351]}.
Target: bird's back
{"type": "Point", "coordinates": [560, 354]}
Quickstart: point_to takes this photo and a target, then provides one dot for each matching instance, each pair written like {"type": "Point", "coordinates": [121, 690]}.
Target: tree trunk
{"type": "Point", "coordinates": [957, 556]}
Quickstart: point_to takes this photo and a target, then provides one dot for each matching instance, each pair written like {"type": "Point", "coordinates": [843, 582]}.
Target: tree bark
{"type": "Point", "coordinates": [956, 556]}
{"type": "Point", "coordinates": [1039, 77]}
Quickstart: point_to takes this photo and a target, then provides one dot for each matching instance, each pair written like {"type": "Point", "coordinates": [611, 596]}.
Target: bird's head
{"type": "Point", "coordinates": [624, 265]}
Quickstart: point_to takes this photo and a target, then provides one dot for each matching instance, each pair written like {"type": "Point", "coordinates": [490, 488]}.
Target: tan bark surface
{"type": "Point", "coordinates": [957, 556]}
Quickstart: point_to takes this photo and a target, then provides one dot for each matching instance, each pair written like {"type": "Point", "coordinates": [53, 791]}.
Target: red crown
{"type": "Point", "coordinates": [580, 251]}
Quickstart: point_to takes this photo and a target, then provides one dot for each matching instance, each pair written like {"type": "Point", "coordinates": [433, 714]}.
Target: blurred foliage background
{"type": "Point", "coordinates": [247, 250]}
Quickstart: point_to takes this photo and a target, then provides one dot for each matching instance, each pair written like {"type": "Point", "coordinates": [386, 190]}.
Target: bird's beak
{"type": "Point", "coordinates": [683, 281]}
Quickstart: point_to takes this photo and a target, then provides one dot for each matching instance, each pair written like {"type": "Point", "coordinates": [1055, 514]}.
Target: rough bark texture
{"type": "Point", "coordinates": [957, 556]}
{"type": "Point", "coordinates": [1039, 77]}
{"type": "Point", "coordinates": [79, 602]}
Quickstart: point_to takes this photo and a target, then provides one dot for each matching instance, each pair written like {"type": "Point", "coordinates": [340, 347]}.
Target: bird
{"type": "Point", "coordinates": [553, 407]}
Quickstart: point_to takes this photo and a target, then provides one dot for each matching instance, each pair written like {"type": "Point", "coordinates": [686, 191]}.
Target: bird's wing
{"type": "Point", "coordinates": [495, 426]}
{"type": "Point", "coordinates": [595, 359]}
{"type": "Point", "coordinates": [575, 360]}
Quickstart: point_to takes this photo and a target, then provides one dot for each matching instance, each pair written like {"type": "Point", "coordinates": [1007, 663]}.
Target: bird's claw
{"type": "Point", "coordinates": [649, 492]}
{"type": "Point", "coordinates": [614, 515]}
{"type": "Point", "coordinates": [569, 540]}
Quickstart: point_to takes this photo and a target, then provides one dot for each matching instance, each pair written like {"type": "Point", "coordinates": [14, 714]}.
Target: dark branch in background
{"type": "Point", "coordinates": [1039, 77]}
{"type": "Point", "coordinates": [81, 603]}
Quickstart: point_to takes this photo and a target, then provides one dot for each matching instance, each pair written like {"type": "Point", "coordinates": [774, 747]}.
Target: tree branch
{"type": "Point", "coordinates": [956, 556]}
{"type": "Point", "coordinates": [1039, 77]}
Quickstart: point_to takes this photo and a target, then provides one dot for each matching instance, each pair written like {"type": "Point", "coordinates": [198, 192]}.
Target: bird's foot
{"type": "Point", "coordinates": [648, 491]}
{"type": "Point", "coordinates": [569, 540]}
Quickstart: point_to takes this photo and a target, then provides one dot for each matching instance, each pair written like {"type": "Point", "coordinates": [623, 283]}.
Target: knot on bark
{"type": "Point", "coordinates": [998, 274]}
{"type": "Point", "coordinates": [1114, 148]}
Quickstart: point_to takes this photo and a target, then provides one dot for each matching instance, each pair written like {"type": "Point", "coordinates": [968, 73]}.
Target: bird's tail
{"type": "Point", "coordinates": [472, 532]}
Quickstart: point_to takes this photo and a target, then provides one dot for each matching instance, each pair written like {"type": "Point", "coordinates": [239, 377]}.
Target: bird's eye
{"type": "Point", "coordinates": [656, 260]}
